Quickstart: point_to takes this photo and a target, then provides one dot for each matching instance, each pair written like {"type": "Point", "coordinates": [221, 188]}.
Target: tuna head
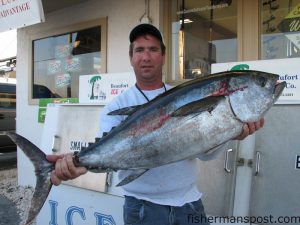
{"type": "Point", "coordinates": [253, 93]}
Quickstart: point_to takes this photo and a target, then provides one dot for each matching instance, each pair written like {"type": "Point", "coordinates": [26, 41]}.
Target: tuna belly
{"type": "Point", "coordinates": [182, 138]}
{"type": "Point", "coordinates": [186, 137]}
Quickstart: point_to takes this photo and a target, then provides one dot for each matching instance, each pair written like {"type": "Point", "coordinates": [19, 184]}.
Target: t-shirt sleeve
{"type": "Point", "coordinates": [107, 122]}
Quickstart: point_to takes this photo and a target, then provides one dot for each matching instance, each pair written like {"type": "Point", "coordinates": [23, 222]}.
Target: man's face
{"type": "Point", "coordinates": [147, 59]}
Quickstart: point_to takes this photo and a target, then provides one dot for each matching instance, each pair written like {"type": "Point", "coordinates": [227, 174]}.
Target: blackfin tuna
{"type": "Point", "coordinates": [184, 122]}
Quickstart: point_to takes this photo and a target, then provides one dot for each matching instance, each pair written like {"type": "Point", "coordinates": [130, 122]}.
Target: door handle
{"type": "Point", "coordinates": [55, 144]}
{"type": "Point", "coordinates": [257, 163]}
{"type": "Point", "coordinates": [226, 160]}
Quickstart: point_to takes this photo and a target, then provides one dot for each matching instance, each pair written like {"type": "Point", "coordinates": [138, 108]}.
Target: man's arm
{"type": "Point", "coordinates": [64, 168]}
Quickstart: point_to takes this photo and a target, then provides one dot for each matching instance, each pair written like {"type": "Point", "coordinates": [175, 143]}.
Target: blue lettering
{"type": "Point", "coordinates": [288, 77]}
{"type": "Point", "coordinates": [53, 209]}
{"type": "Point", "coordinates": [102, 219]}
{"type": "Point", "coordinates": [289, 85]}
{"type": "Point", "coordinates": [69, 214]}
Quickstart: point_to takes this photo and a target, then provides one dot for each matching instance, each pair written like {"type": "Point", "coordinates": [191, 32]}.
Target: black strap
{"type": "Point", "coordinates": [137, 87]}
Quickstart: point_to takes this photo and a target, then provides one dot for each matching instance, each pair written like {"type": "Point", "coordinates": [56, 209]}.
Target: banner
{"type": "Point", "coordinates": [20, 13]}
{"type": "Point", "coordinates": [287, 69]}
{"type": "Point", "coordinates": [102, 88]}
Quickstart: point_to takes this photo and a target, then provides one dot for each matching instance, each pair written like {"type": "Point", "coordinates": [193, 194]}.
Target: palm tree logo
{"type": "Point", "coordinates": [240, 67]}
{"type": "Point", "coordinates": [93, 81]}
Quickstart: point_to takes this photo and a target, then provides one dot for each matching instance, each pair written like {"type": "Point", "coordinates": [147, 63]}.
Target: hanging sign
{"type": "Point", "coordinates": [102, 88]}
{"type": "Point", "coordinates": [287, 69]}
{"type": "Point", "coordinates": [290, 26]}
{"type": "Point", "coordinates": [20, 13]}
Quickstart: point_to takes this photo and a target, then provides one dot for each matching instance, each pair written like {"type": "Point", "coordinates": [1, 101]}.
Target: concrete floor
{"type": "Point", "coordinates": [8, 212]}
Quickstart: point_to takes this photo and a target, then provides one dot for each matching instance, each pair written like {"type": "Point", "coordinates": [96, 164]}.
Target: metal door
{"type": "Point", "coordinates": [275, 185]}
{"type": "Point", "coordinates": [217, 181]}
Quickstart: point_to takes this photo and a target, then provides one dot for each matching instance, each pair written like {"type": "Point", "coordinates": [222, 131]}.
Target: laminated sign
{"type": "Point", "coordinates": [102, 88]}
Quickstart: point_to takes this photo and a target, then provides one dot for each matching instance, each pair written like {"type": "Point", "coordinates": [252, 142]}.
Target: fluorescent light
{"type": "Point", "coordinates": [186, 21]}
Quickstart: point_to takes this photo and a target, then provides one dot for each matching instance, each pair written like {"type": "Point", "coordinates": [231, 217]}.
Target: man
{"type": "Point", "coordinates": [163, 195]}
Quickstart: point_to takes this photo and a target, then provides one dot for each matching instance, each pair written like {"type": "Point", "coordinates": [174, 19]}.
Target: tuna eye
{"type": "Point", "coordinates": [261, 81]}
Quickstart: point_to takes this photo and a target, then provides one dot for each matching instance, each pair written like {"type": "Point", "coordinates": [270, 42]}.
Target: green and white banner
{"type": "Point", "coordinates": [287, 69]}
{"type": "Point", "coordinates": [102, 88]}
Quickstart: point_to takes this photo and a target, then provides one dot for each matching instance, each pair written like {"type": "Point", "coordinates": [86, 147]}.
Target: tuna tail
{"type": "Point", "coordinates": [43, 169]}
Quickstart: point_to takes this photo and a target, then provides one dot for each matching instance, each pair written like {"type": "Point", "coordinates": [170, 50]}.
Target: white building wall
{"type": "Point", "coordinates": [122, 16]}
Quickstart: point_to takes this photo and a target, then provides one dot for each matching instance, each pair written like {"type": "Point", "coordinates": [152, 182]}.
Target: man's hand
{"type": "Point", "coordinates": [250, 128]}
{"type": "Point", "coordinates": [64, 168]}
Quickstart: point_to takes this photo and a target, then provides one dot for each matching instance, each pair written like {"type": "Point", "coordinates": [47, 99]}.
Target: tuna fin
{"type": "Point", "coordinates": [199, 106]}
{"type": "Point", "coordinates": [124, 111]}
{"type": "Point", "coordinates": [43, 170]}
{"type": "Point", "coordinates": [135, 174]}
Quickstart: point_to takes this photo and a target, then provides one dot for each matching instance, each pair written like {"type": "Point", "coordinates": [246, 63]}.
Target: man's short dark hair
{"type": "Point", "coordinates": [142, 30]}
